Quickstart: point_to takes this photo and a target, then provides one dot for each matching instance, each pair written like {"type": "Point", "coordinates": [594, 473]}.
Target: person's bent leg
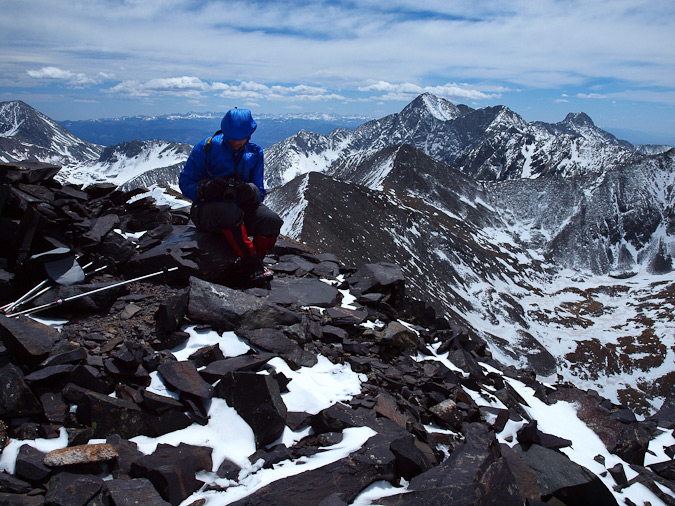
{"type": "Point", "coordinates": [266, 226]}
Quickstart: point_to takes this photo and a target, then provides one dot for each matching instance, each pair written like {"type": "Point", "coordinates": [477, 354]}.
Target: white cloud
{"type": "Point", "coordinates": [592, 95]}
{"type": "Point", "coordinates": [403, 91]}
{"type": "Point", "coordinates": [77, 80]}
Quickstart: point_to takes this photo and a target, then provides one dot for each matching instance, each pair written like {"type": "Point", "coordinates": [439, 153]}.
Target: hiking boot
{"type": "Point", "coordinates": [256, 272]}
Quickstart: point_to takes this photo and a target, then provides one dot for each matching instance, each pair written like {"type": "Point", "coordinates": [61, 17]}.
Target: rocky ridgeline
{"type": "Point", "coordinates": [54, 381]}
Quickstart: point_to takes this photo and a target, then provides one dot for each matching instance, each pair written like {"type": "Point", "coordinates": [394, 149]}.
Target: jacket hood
{"type": "Point", "coordinates": [238, 124]}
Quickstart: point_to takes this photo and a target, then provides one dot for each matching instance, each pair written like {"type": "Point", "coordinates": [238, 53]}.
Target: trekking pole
{"type": "Point", "coordinates": [8, 307]}
{"type": "Point", "coordinates": [59, 302]}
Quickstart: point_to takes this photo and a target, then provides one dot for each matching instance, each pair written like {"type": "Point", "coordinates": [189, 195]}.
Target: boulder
{"type": "Point", "coordinates": [16, 398]}
{"type": "Point", "coordinates": [275, 341]}
{"type": "Point", "coordinates": [81, 454]}
{"type": "Point", "coordinates": [125, 492]}
{"type": "Point", "coordinates": [29, 341]}
{"type": "Point", "coordinates": [567, 481]}
{"type": "Point", "coordinates": [257, 399]}
{"type": "Point", "coordinates": [228, 309]}
{"type": "Point", "coordinates": [303, 292]}
{"type": "Point", "coordinates": [183, 376]}
{"type": "Point", "coordinates": [172, 470]}
{"type": "Point", "coordinates": [70, 489]}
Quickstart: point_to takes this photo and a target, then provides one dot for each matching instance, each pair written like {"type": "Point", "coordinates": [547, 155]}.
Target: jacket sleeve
{"type": "Point", "coordinates": [258, 174]}
{"type": "Point", "coordinates": [193, 172]}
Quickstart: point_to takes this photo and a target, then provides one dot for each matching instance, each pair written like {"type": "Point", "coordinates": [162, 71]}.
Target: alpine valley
{"type": "Point", "coordinates": [551, 242]}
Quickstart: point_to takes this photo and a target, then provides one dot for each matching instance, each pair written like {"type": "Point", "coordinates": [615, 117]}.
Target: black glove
{"type": "Point", "coordinates": [212, 188]}
{"type": "Point", "coordinates": [248, 193]}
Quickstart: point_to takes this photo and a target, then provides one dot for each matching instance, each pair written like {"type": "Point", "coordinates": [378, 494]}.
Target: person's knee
{"type": "Point", "coordinates": [272, 227]}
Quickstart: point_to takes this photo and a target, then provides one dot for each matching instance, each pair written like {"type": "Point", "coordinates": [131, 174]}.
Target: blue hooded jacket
{"type": "Point", "coordinates": [220, 160]}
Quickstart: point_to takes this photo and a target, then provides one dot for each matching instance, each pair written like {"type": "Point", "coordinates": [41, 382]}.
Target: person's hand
{"type": "Point", "coordinates": [248, 193]}
{"type": "Point", "coordinates": [212, 188]}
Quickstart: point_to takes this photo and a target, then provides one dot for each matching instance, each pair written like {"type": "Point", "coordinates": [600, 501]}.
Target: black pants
{"type": "Point", "coordinates": [227, 215]}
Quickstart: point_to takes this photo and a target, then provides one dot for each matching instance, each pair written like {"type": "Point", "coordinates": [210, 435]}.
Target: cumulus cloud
{"type": "Point", "coordinates": [178, 86]}
{"type": "Point", "coordinates": [404, 91]}
{"type": "Point", "coordinates": [73, 79]}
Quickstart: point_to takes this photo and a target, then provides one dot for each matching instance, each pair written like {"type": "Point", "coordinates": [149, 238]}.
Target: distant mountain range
{"type": "Point", "coordinates": [190, 128]}
{"type": "Point", "coordinates": [553, 242]}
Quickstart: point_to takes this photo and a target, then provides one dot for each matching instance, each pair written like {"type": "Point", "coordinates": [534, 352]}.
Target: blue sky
{"type": "Point", "coordinates": [85, 59]}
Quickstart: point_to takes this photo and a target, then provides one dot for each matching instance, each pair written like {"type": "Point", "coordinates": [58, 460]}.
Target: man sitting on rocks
{"type": "Point", "coordinates": [224, 179]}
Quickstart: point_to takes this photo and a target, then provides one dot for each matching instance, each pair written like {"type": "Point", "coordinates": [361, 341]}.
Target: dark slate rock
{"type": "Point", "coordinates": [249, 362]}
{"type": "Point", "coordinates": [16, 398]}
{"type": "Point", "coordinates": [632, 443]}
{"type": "Point", "coordinates": [171, 313]}
{"type": "Point", "coordinates": [127, 452]}
{"type": "Point", "coordinates": [13, 485]}
{"type": "Point", "coordinates": [333, 500]}
{"type": "Point", "coordinates": [73, 356]}
{"type": "Point", "coordinates": [227, 309]}
{"type": "Point", "coordinates": [21, 500]}
{"type": "Point", "coordinates": [399, 336]}
{"type": "Point", "coordinates": [172, 470]}
{"type": "Point", "coordinates": [275, 341]}
{"type": "Point", "coordinates": [526, 479]}
{"type": "Point", "coordinates": [29, 340]}
{"type": "Point", "coordinates": [346, 317]}
{"type": "Point", "coordinates": [159, 404]}
{"type": "Point", "coordinates": [303, 292]}
{"type": "Point", "coordinates": [559, 477]}
{"type": "Point", "coordinates": [258, 401]}
{"type": "Point", "coordinates": [50, 374]}
{"type": "Point", "coordinates": [116, 248]}
{"type": "Point", "coordinates": [664, 469]}
{"type": "Point", "coordinates": [124, 492]}
{"type": "Point", "coordinates": [54, 407]}
{"type": "Point", "coordinates": [271, 456]}
{"type": "Point", "coordinates": [70, 489]}
{"type": "Point", "coordinates": [30, 465]}
{"type": "Point", "coordinates": [347, 477]}
{"type": "Point", "coordinates": [110, 415]}
{"type": "Point", "coordinates": [101, 226]}
{"type": "Point", "coordinates": [619, 474]}
{"type": "Point", "coordinates": [382, 278]}
{"type": "Point", "coordinates": [204, 356]}
{"type": "Point", "coordinates": [339, 416]}
{"type": "Point", "coordinates": [228, 470]}
{"type": "Point", "coordinates": [410, 461]}
{"type": "Point", "coordinates": [91, 378]}
{"type": "Point", "coordinates": [472, 474]}
{"type": "Point", "coordinates": [183, 376]}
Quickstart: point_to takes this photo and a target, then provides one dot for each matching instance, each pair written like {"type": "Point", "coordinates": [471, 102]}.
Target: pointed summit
{"type": "Point", "coordinates": [578, 119]}
{"type": "Point", "coordinates": [439, 108]}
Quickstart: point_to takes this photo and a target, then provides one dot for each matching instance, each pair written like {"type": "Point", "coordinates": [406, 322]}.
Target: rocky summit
{"type": "Point", "coordinates": [125, 333]}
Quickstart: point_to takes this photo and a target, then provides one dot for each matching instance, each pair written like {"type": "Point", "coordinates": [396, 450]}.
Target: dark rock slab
{"type": "Point", "coordinates": [631, 444]}
{"type": "Point", "coordinates": [227, 309]}
{"type": "Point", "coordinates": [559, 477]}
{"type": "Point", "coordinates": [170, 314]}
{"type": "Point", "coordinates": [249, 362]}
{"type": "Point", "coordinates": [172, 469]}
{"type": "Point", "coordinates": [275, 341]}
{"type": "Point", "coordinates": [303, 292]}
{"type": "Point", "coordinates": [70, 489]}
{"type": "Point", "coordinates": [346, 317]}
{"type": "Point", "coordinates": [100, 227]}
{"type": "Point", "coordinates": [346, 477]}
{"type": "Point", "coordinates": [384, 278]}
{"type": "Point", "coordinates": [183, 376]}
{"type": "Point", "coordinates": [125, 492]}
{"type": "Point", "coordinates": [28, 340]}
{"type": "Point", "coordinates": [13, 485]}
{"type": "Point", "coordinates": [16, 397]}
{"type": "Point", "coordinates": [204, 356]}
{"type": "Point", "coordinates": [30, 465]}
{"type": "Point", "coordinates": [127, 454]}
{"type": "Point", "coordinates": [257, 399]}
{"type": "Point", "coordinates": [472, 474]}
